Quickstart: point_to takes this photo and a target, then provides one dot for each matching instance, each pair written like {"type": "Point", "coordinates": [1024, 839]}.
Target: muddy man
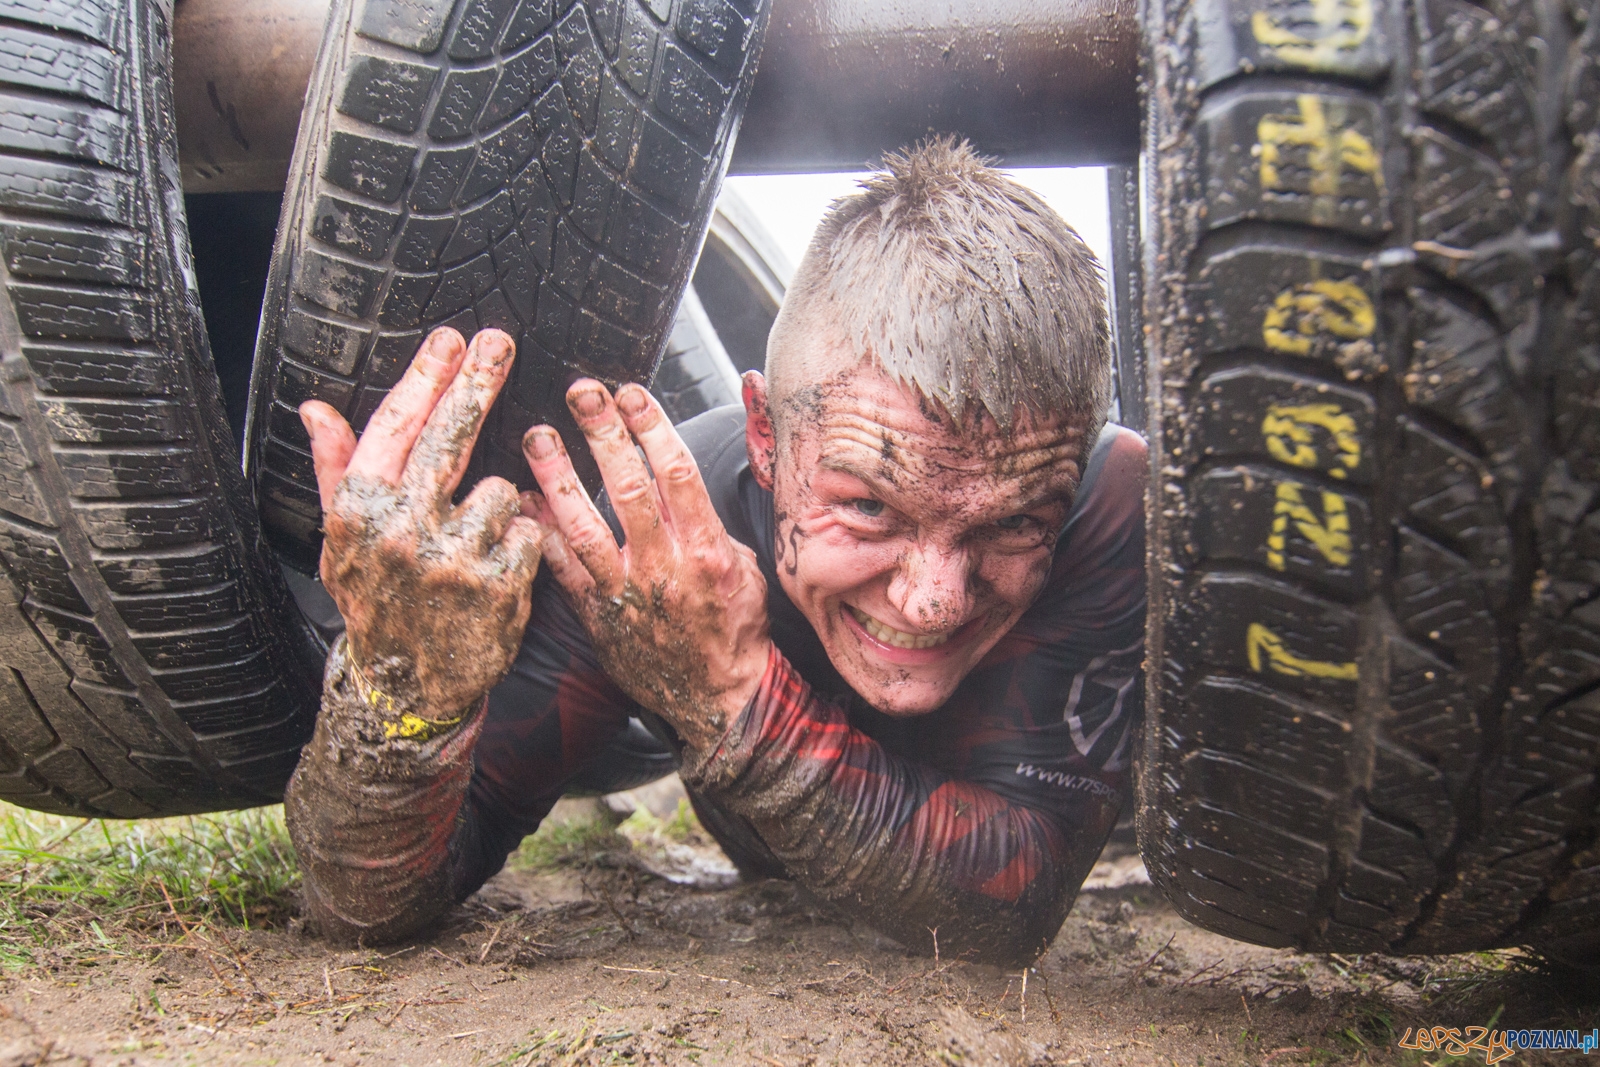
{"type": "Point", "coordinates": [890, 612]}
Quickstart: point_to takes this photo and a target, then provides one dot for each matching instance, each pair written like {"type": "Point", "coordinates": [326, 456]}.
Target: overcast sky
{"type": "Point", "coordinates": [791, 204]}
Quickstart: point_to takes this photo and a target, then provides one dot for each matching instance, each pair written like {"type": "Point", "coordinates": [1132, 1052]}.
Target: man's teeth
{"type": "Point", "coordinates": [898, 638]}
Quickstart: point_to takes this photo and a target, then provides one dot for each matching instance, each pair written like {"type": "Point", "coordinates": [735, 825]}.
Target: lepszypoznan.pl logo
{"type": "Point", "coordinates": [1497, 1045]}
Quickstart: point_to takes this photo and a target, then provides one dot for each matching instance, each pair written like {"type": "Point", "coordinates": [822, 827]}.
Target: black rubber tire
{"type": "Point", "coordinates": [727, 312]}
{"type": "Point", "coordinates": [545, 167]}
{"type": "Point", "coordinates": [740, 280]}
{"type": "Point", "coordinates": [696, 374]}
{"type": "Point", "coordinates": [1374, 549]}
{"type": "Point", "coordinates": [149, 658]}
{"type": "Point", "coordinates": [1539, 848]}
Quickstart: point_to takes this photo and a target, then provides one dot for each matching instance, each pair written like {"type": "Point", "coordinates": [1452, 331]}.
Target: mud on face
{"type": "Point", "coordinates": [910, 542]}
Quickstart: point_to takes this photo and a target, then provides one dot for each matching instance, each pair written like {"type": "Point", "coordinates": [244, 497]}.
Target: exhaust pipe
{"type": "Point", "coordinates": [1034, 82]}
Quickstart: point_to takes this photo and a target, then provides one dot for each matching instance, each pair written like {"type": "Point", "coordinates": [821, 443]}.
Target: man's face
{"type": "Point", "coordinates": [912, 545]}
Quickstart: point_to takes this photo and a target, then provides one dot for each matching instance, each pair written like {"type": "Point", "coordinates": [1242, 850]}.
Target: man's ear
{"type": "Point", "coordinates": [760, 442]}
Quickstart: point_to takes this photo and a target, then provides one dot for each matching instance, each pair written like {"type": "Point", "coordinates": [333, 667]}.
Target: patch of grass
{"type": "Point", "coordinates": [588, 1045]}
{"type": "Point", "coordinates": [681, 827]}
{"type": "Point", "coordinates": [587, 839]}
{"type": "Point", "coordinates": [74, 889]}
{"type": "Point", "coordinates": [1368, 1030]}
{"type": "Point", "coordinates": [1462, 978]}
{"type": "Point", "coordinates": [574, 843]}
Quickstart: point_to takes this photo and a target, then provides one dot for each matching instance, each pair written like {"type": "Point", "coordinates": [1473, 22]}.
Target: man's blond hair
{"type": "Point", "coordinates": [958, 282]}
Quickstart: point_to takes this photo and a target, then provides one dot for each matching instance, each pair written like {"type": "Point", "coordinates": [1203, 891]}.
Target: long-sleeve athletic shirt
{"type": "Point", "coordinates": [974, 824]}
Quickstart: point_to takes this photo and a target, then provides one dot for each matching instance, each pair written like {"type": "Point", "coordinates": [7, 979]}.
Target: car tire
{"type": "Point", "coordinates": [727, 312]}
{"type": "Point", "coordinates": [546, 168]}
{"type": "Point", "coordinates": [695, 374]}
{"type": "Point", "coordinates": [151, 662]}
{"type": "Point", "coordinates": [1374, 414]}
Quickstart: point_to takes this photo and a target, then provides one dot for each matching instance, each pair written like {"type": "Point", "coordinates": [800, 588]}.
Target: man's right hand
{"type": "Point", "coordinates": [434, 597]}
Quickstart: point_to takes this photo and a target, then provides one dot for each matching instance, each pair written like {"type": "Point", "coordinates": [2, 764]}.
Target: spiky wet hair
{"type": "Point", "coordinates": [958, 282]}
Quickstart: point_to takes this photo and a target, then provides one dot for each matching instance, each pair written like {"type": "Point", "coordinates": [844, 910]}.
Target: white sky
{"type": "Point", "coordinates": [791, 204]}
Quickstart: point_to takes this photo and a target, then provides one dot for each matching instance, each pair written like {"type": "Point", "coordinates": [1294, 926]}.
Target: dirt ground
{"type": "Point", "coordinates": [609, 963]}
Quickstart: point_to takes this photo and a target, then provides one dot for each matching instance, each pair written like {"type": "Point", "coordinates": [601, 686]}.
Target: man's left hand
{"type": "Point", "coordinates": [678, 613]}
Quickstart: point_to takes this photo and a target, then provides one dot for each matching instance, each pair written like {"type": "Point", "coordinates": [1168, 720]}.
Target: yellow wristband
{"type": "Point", "coordinates": [409, 727]}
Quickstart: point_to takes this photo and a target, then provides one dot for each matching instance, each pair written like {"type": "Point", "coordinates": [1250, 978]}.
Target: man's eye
{"type": "Point", "coordinates": [868, 506]}
{"type": "Point", "coordinates": [1011, 522]}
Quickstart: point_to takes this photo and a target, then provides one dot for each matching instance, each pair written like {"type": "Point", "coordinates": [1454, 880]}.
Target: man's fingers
{"type": "Point", "coordinates": [518, 552]}
{"type": "Point", "coordinates": [575, 515]}
{"type": "Point", "coordinates": [332, 444]}
{"type": "Point", "coordinates": [627, 479]}
{"type": "Point", "coordinates": [482, 518]}
{"type": "Point", "coordinates": [567, 568]}
{"type": "Point", "coordinates": [439, 457]}
{"type": "Point", "coordinates": [677, 475]}
{"type": "Point", "coordinates": [386, 442]}
{"type": "Point", "coordinates": [535, 507]}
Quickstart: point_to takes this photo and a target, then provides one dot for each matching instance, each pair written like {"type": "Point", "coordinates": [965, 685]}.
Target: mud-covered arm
{"type": "Point", "coordinates": [435, 597]}
{"type": "Point", "coordinates": [990, 859]}
{"type": "Point", "coordinates": [981, 819]}
{"type": "Point", "coordinates": [373, 806]}
{"type": "Point", "coordinates": [393, 828]}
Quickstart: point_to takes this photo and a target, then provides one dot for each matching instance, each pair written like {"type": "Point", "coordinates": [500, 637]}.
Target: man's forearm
{"type": "Point", "coordinates": [908, 849]}
{"type": "Point", "coordinates": [374, 804]}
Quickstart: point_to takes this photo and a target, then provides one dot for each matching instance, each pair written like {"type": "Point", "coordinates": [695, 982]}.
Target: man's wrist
{"type": "Point", "coordinates": [780, 692]}
{"type": "Point", "coordinates": [755, 667]}
{"type": "Point", "coordinates": [703, 728]}
{"type": "Point", "coordinates": [388, 704]}
{"type": "Point", "coordinates": [397, 721]}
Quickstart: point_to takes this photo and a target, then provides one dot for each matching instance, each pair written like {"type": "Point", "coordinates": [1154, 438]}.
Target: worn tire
{"type": "Point", "coordinates": [147, 652]}
{"type": "Point", "coordinates": [695, 374]}
{"type": "Point", "coordinates": [544, 166]}
{"type": "Point", "coordinates": [727, 312]}
{"type": "Point", "coordinates": [1375, 549]}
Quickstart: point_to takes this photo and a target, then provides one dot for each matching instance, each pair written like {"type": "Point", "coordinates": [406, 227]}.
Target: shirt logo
{"type": "Point", "coordinates": [1066, 781]}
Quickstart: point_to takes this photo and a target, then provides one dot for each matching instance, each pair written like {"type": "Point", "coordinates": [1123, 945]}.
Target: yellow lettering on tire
{"type": "Point", "coordinates": [1330, 149]}
{"type": "Point", "coordinates": [1329, 535]}
{"type": "Point", "coordinates": [1290, 430]}
{"type": "Point", "coordinates": [1266, 652]}
{"type": "Point", "coordinates": [1298, 315]}
{"type": "Point", "coordinates": [1336, 26]}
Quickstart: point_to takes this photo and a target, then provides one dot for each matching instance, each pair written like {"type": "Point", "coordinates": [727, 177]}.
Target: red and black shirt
{"type": "Point", "coordinates": [979, 820]}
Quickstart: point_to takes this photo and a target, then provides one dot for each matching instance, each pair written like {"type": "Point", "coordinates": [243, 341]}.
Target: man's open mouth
{"type": "Point", "coordinates": [897, 638]}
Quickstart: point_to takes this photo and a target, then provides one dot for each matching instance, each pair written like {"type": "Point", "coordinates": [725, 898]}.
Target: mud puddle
{"type": "Point", "coordinates": [610, 963]}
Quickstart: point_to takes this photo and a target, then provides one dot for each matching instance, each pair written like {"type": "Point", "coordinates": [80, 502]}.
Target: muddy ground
{"type": "Point", "coordinates": [609, 963]}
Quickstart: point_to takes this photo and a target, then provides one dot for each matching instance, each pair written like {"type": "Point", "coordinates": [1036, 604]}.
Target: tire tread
{"type": "Point", "coordinates": [549, 171]}
{"type": "Point", "coordinates": [131, 578]}
{"type": "Point", "coordinates": [1440, 660]}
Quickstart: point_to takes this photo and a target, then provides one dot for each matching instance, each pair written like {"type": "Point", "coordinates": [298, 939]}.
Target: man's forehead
{"type": "Point", "coordinates": [870, 425]}
{"type": "Point", "coordinates": [864, 394]}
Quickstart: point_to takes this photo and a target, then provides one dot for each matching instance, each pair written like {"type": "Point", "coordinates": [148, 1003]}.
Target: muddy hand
{"type": "Point", "coordinates": [434, 597]}
{"type": "Point", "coordinates": [678, 614]}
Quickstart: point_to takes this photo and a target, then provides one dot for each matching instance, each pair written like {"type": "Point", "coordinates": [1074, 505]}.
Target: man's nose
{"type": "Point", "coordinates": [930, 587]}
